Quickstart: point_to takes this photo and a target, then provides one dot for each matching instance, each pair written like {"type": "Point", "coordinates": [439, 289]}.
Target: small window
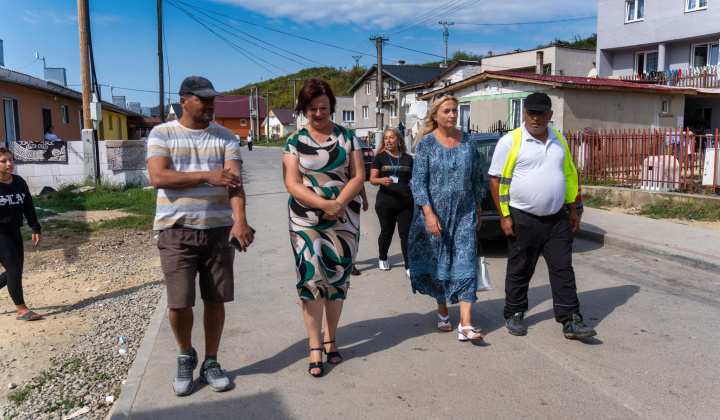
{"type": "Point", "coordinates": [704, 55]}
{"type": "Point", "coordinates": [393, 111]}
{"type": "Point", "coordinates": [634, 10]}
{"type": "Point", "coordinates": [693, 5]}
{"type": "Point", "coordinates": [516, 115]}
{"type": "Point", "coordinates": [332, 117]}
{"type": "Point", "coordinates": [367, 88]}
{"type": "Point", "coordinates": [65, 114]}
{"type": "Point", "coordinates": [391, 84]}
{"type": "Point", "coordinates": [110, 122]}
{"type": "Point", "coordinates": [665, 107]}
{"type": "Point", "coordinates": [119, 128]}
{"type": "Point", "coordinates": [348, 116]}
{"type": "Point", "coordinates": [366, 112]}
{"type": "Point", "coordinates": [646, 62]}
{"type": "Point", "coordinates": [243, 123]}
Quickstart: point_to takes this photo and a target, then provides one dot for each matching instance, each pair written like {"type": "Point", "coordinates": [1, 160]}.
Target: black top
{"type": "Point", "coordinates": [16, 201]}
{"type": "Point", "coordinates": [399, 194]}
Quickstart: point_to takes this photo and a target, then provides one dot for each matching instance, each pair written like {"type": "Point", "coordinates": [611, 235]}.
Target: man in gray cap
{"type": "Point", "coordinates": [196, 165]}
{"type": "Point", "coordinates": [532, 176]}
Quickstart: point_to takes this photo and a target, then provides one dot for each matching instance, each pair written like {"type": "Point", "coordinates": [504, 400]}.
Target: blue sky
{"type": "Point", "coordinates": [124, 35]}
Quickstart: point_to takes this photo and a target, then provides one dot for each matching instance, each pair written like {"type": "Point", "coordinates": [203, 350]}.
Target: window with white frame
{"type": "Point", "coordinates": [704, 55]}
{"type": "Point", "coordinates": [692, 5]}
{"type": "Point", "coordinates": [348, 116]}
{"type": "Point", "coordinates": [332, 117]}
{"type": "Point", "coordinates": [393, 111]}
{"type": "Point", "coordinates": [391, 84]}
{"type": "Point", "coordinates": [65, 114]}
{"type": "Point", "coordinates": [367, 88]}
{"type": "Point", "coordinates": [516, 115]}
{"type": "Point", "coordinates": [243, 122]}
{"type": "Point", "coordinates": [366, 112]}
{"type": "Point", "coordinates": [646, 62]}
{"type": "Point", "coordinates": [665, 107]}
{"type": "Point", "coordinates": [634, 10]}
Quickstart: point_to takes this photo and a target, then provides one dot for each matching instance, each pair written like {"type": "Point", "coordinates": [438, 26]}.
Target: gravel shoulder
{"type": "Point", "coordinates": [92, 289]}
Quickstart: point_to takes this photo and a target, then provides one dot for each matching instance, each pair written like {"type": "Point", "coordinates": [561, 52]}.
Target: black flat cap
{"type": "Point", "coordinates": [198, 86]}
{"type": "Point", "coordinates": [538, 101]}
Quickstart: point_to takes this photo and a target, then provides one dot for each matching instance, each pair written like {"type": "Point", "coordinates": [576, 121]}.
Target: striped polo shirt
{"type": "Point", "coordinates": [203, 206]}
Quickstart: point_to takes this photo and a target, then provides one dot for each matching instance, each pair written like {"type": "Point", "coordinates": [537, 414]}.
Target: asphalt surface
{"type": "Point", "coordinates": [655, 356]}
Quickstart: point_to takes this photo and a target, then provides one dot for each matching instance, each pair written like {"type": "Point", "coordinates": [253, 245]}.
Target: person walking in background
{"type": "Point", "coordinates": [447, 186]}
{"type": "Point", "coordinates": [249, 142]}
{"type": "Point", "coordinates": [15, 202]}
{"type": "Point", "coordinates": [324, 172]}
{"type": "Point", "coordinates": [531, 176]}
{"type": "Point", "coordinates": [50, 134]}
{"type": "Point", "coordinates": [196, 166]}
{"type": "Point", "coordinates": [392, 170]}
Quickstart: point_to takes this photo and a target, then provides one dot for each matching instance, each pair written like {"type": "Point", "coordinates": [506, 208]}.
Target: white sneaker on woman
{"type": "Point", "coordinates": [407, 272]}
{"type": "Point", "coordinates": [384, 266]}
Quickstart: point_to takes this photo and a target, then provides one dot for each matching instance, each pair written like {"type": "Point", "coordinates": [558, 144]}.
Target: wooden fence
{"type": "Point", "coordinates": [667, 160]}
{"type": "Point", "coordinates": [703, 77]}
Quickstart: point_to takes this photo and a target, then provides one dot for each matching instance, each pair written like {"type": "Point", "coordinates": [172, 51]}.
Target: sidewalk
{"type": "Point", "coordinates": [687, 245]}
{"type": "Point", "coordinates": [397, 365]}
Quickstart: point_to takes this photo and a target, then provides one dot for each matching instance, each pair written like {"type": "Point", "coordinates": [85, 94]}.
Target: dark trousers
{"type": "Point", "coordinates": [249, 146]}
{"type": "Point", "coordinates": [12, 257]}
{"type": "Point", "coordinates": [388, 218]}
{"type": "Point", "coordinates": [552, 237]}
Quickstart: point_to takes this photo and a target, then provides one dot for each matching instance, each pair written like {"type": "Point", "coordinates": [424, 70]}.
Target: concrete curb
{"type": "Point", "coordinates": [660, 251]}
{"type": "Point", "coordinates": [121, 408]}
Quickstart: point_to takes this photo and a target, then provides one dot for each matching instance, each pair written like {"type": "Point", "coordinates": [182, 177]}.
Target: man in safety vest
{"type": "Point", "coordinates": [531, 177]}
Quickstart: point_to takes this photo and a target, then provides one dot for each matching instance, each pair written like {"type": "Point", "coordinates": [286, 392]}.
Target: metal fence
{"type": "Point", "coordinates": [655, 160]}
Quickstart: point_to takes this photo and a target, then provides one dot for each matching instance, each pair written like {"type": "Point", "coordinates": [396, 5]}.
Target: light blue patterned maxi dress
{"type": "Point", "coordinates": [450, 179]}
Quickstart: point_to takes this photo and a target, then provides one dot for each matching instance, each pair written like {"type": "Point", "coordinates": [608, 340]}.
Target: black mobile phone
{"type": "Point", "coordinates": [236, 244]}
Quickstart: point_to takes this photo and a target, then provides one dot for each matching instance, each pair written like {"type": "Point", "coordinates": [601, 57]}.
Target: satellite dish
{"type": "Point", "coordinates": [422, 109]}
{"type": "Point", "coordinates": [592, 74]}
{"type": "Point", "coordinates": [402, 101]}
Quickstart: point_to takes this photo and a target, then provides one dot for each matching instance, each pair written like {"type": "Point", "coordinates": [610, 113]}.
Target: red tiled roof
{"type": "Point", "coordinates": [285, 115]}
{"type": "Point", "coordinates": [584, 81]}
{"type": "Point", "coordinates": [236, 106]}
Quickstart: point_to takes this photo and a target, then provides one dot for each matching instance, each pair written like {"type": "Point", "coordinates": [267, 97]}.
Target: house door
{"type": "Point", "coordinates": [47, 119]}
{"type": "Point", "coordinates": [465, 117]}
{"type": "Point", "coordinates": [10, 120]}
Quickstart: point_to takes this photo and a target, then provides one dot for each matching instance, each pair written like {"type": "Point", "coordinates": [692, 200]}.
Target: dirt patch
{"type": "Point", "coordinates": [70, 269]}
{"type": "Point", "coordinates": [95, 216]}
{"type": "Point", "coordinates": [696, 223]}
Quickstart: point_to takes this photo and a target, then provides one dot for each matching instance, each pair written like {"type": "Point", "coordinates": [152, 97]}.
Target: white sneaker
{"type": "Point", "coordinates": [407, 272]}
{"type": "Point", "coordinates": [384, 265]}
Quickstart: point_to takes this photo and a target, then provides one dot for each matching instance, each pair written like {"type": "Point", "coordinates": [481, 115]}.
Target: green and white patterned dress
{"type": "Point", "coordinates": [324, 249]}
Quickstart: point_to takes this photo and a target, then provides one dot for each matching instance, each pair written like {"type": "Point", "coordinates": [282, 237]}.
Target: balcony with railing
{"type": "Point", "coordinates": [699, 77]}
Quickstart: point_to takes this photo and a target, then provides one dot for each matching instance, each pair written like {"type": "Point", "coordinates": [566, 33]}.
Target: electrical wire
{"type": "Point", "coordinates": [527, 23]}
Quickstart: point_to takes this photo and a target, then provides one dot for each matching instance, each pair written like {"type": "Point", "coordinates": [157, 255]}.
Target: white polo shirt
{"type": "Point", "coordinates": [538, 181]}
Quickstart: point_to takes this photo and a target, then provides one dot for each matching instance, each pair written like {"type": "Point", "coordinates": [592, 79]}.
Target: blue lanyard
{"type": "Point", "coordinates": [395, 168]}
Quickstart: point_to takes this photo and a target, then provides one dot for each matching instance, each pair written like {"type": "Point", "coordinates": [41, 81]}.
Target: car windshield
{"type": "Point", "coordinates": [486, 147]}
{"type": "Point", "coordinates": [363, 145]}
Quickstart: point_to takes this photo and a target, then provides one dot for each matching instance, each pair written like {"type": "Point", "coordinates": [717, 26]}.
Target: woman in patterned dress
{"type": "Point", "coordinates": [448, 189]}
{"type": "Point", "coordinates": [324, 173]}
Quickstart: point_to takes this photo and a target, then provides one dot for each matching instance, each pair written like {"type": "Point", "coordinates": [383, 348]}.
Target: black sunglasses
{"type": "Point", "coordinates": [441, 94]}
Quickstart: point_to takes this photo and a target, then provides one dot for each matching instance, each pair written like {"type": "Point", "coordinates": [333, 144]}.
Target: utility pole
{"type": "Point", "coordinates": [252, 120]}
{"type": "Point", "coordinates": [446, 34]}
{"type": "Point", "coordinates": [88, 133]}
{"type": "Point", "coordinates": [160, 62]}
{"type": "Point", "coordinates": [379, 111]}
{"type": "Point", "coordinates": [357, 60]}
{"type": "Point", "coordinates": [257, 111]}
{"type": "Point", "coordinates": [267, 116]}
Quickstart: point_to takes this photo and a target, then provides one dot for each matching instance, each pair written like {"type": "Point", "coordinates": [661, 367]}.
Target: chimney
{"type": "Point", "coordinates": [489, 54]}
{"type": "Point", "coordinates": [2, 56]}
{"type": "Point", "coordinates": [56, 74]}
{"type": "Point", "coordinates": [401, 62]}
{"type": "Point", "coordinates": [539, 63]}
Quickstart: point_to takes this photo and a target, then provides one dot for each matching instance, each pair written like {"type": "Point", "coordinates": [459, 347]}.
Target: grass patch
{"type": "Point", "coordinates": [18, 397]}
{"type": "Point", "coordinates": [596, 202]}
{"type": "Point", "coordinates": [273, 143]}
{"type": "Point", "coordinates": [687, 210]}
{"type": "Point", "coordinates": [66, 403]}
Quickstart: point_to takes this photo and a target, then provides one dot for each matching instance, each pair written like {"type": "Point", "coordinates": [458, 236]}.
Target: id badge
{"type": "Point", "coordinates": [394, 179]}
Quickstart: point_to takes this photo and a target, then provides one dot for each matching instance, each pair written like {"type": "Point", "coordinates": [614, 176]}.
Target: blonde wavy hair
{"type": "Point", "coordinates": [400, 138]}
{"type": "Point", "coordinates": [429, 125]}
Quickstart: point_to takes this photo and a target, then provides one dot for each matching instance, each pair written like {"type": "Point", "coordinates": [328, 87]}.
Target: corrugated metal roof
{"type": "Point", "coordinates": [584, 80]}
{"type": "Point", "coordinates": [236, 106]}
{"type": "Point", "coordinates": [284, 115]}
{"type": "Point", "coordinates": [407, 75]}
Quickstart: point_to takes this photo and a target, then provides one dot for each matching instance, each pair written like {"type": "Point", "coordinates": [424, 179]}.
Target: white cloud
{"type": "Point", "coordinates": [32, 18]}
{"type": "Point", "coordinates": [99, 18]}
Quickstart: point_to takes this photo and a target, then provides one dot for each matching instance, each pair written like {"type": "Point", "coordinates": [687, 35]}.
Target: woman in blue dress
{"type": "Point", "coordinates": [448, 189]}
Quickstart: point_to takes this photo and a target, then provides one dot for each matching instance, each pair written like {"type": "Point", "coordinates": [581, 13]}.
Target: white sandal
{"type": "Point", "coordinates": [470, 336]}
{"type": "Point", "coordinates": [444, 322]}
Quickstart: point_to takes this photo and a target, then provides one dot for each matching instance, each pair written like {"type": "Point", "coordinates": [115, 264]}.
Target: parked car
{"type": "Point", "coordinates": [368, 155]}
{"type": "Point", "coordinates": [486, 143]}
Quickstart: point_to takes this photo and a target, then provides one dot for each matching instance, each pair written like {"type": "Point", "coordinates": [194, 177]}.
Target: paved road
{"type": "Point", "coordinates": [656, 354]}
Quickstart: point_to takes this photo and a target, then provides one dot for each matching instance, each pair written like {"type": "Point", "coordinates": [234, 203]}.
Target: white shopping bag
{"type": "Point", "coordinates": [483, 275]}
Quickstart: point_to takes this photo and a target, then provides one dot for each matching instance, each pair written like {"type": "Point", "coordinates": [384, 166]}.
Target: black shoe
{"type": "Point", "coordinates": [332, 354]}
{"type": "Point", "coordinates": [355, 271]}
{"type": "Point", "coordinates": [576, 328]}
{"type": "Point", "coordinates": [515, 324]}
{"type": "Point", "coordinates": [316, 365]}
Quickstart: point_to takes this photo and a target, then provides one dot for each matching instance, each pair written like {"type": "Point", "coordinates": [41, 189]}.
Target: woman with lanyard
{"type": "Point", "coordinates": [392, 170]}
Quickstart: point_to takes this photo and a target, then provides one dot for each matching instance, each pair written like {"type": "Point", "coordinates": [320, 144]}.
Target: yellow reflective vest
{"type": "Point", "coordinates": [571, 177]}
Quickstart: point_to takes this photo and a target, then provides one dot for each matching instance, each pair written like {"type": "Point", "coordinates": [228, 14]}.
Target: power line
{"type": "Point", "coordinates": [417, 51]}
{"type": "Point", "coordinates": [526, 23]}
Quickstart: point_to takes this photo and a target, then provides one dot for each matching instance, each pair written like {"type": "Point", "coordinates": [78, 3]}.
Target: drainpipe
{"type": "Point", "coordinates": [539, 63]}
{"type": "Point", "coordinates": [661, 56]}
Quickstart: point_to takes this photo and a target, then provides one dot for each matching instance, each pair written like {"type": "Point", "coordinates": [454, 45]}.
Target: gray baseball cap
{"type": "Point", "coordinates": [198, 86]}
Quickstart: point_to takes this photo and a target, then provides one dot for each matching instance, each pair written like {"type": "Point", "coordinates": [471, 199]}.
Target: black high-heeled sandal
{"type": "Point", "coordinates": [332, 354]}
{"type": "Point", "coordinates": [316, 365]}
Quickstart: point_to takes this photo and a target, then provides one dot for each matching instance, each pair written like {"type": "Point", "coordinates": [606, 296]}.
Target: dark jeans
{"type": "Point", "coordinates": [388, 218]}
{"type": "Point", "coordinates": [249, 146]}
{"type": "Point", "coordinates": [551, 236]}
{"type": "Point", "coordinates": [12, 257]}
